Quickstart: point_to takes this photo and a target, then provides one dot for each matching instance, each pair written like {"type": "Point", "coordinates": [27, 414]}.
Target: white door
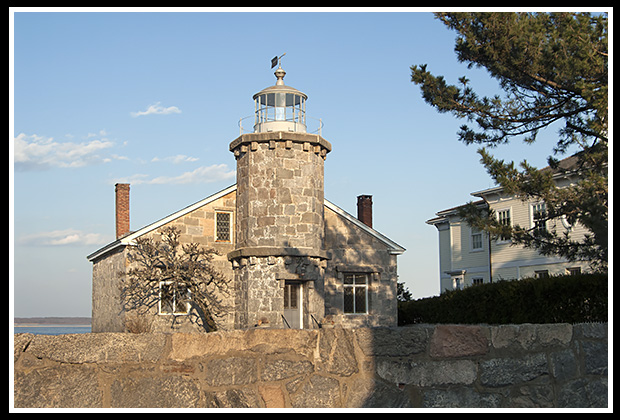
{"type": "Point", "coordinates": [292, 304]}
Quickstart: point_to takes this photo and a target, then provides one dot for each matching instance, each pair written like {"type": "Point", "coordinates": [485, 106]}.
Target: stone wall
{"type": "Point", "coordinates": [109, 314]}
{"type": "Point", "coordinates": [351, 250]}
{"type": "Point", "coordinates": [551, 365]}
{"type": "Point", "coordinates": [107, 309]}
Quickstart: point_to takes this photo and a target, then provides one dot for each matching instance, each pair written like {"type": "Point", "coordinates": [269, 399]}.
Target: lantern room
{"type": "Point", "coordinates": [280, 107]}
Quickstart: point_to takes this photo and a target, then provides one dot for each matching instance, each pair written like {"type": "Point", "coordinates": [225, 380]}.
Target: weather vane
{"type": "Point", "coordinates": [276, 60]}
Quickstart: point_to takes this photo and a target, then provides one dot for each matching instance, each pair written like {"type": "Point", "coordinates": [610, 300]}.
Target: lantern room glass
{"type": "Point", "coordinates": [280, 106]}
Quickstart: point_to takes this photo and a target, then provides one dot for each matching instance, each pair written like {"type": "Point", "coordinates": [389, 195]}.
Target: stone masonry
{"type": "Point", "coordinates": [507, 366]}
{"type": "Point", "coordinates": [280, 190]}
{"type": "Point", "coordinates": [280, 228]}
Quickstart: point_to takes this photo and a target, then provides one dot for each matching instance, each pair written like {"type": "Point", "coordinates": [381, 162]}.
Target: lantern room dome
{"type": "Point", "coordinates": [280, 107]}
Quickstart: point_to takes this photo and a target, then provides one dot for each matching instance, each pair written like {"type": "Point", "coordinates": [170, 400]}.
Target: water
{"type": "Point", "coordinates": [52, 329]}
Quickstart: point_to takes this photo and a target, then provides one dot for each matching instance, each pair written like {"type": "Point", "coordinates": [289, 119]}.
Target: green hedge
{"type": "Point", "coordinates": [571, 299]}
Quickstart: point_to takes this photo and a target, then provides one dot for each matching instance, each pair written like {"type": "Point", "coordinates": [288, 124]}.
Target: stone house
{"type": "Point", "coordinates": [293, 258]}
{"type": "Point", "coordinates": [468, 256]}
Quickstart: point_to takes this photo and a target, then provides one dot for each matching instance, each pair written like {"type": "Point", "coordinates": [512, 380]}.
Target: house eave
{"type": "Point", "coordinates": [129, 239]}
{"type": "Point", "coordinates": [105, 249]}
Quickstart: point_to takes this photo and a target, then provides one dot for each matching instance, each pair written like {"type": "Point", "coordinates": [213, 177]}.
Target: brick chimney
{"type": "Point", "coordinates": [122, 210]}
{"type": "Point", "coordinates": [364, 209]}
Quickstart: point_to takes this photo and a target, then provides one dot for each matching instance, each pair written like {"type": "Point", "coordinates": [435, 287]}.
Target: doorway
{"type": "Point", "coordinates": [293, 304]}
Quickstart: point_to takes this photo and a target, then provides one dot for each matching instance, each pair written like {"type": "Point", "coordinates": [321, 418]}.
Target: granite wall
{"type": "Point", "coordinates": [550, 365]}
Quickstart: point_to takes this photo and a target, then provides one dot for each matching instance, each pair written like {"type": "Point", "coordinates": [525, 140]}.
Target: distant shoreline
{"type": "Point", "coordinates": [52, 322]}
{"type": "Point", "coordinates": [51, 325]}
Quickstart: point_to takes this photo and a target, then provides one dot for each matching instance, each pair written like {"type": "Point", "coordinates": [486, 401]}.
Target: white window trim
{"type": "Point", "coordinates": [471, 240]}
{"type": "Point", "coordinates": [532, 221]}
{"type": "Point", "coordinates": [159, 309]}
{"type": "Point", "coordinates": [497, 212]}
{"type": "Point", "coordinates": [230, 227]}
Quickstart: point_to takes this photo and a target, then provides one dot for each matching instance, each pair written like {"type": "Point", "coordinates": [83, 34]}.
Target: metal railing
{"type": "Point", "coordinates": [318, 324]}
{"type": "Point", "coordinates": [318, 122]}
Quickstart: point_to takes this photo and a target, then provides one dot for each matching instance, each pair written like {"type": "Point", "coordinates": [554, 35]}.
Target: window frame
{"type": "Point", "coordinates": [475, 232]}
{"type": "Point", "coordinates": [230, 227]}
{"type": "Point", "coordinates": [536, 226]}
{"type": "Point", "coordinates": [354, 287]}
{"type": "Point", "coordinates": [501, 239]}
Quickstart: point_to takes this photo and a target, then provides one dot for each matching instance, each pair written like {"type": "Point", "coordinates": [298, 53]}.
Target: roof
{"type": "Point", "coordinates": [442, 215]}
{"type": "Point", "coordinates": [129, 239]}
{"type": "Point", "coordinates": [566, 166]}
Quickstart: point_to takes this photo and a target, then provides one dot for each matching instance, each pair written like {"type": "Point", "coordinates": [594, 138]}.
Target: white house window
{"type": "Point", "coordinates": [539, 214]}
{"type": "Point", "coordinates": [173, 300]}
{"type": "Point", "coordinates": [457, 283]}
{"type": "Point", "coordinates": [503, 216]}
{"type": "Point", "coordinates": [476, 239]}
{"type": "Point", "coordinates": [223, 226]}
{"type": "Point", "coordinates": [355, 293]}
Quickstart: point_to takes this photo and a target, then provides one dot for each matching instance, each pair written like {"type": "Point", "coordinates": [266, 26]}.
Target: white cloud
{"type": "Point", "coordinates": [36, 153]}
{"type": "Point", "coordinates": [157, 109]}
{"type": "Point", "coordinates": [175, 159]}
{"type": "Point", "coordinates": [63, 237]}
{"type": "Point", "coordinates": [202, 175]}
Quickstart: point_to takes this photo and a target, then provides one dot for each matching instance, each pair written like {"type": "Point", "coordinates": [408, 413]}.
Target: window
{"type": "Point", "coordinates": [355, 293]}
{"type": "Point", "coordinates": [173, 300]}
{"type": "Point", "coordinates": [280, 106]}
{"type": "Point", "coordinates": [574, 271]}
{"type": "Point", "coordinates": [476, 239]}
{"type": "Point", "coordinates": [223, 225]}
{"type": "Point", "coordinates": [457, 283]}
{"type": "Point", "coordinates": [503, 216]}
{"type": "Point", "coordinates": [539, 214]}
{"type": "Point", "coordinates": [291, 292]}
{"type": "Point", "coordinates": [477, 280]}
{"type": "Point", "coordinates": [542, 274]}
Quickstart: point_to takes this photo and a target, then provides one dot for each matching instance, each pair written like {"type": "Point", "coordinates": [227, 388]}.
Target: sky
{"type": "Point", "coordinates": [154, 98]}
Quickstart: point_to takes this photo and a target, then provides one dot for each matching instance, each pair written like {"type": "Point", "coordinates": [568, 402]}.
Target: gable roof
{"type": "Point", "coordinates": [129, 239]}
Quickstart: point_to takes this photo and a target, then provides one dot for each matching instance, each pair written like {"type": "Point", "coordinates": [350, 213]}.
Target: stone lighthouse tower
{"type": "Point", "coordinates": [279, 259]}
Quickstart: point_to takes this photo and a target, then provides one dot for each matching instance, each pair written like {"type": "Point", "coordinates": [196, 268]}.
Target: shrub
{"type": "Point", "coordinates": [571, 299]}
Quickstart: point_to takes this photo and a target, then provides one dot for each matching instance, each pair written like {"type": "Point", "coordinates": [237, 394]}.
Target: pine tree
{"type": "Point", "coordinates": [552, 68]}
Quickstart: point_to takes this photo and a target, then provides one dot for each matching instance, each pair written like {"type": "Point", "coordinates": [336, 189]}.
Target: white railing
{"type": "Point", "coordinates": [318, 122]}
